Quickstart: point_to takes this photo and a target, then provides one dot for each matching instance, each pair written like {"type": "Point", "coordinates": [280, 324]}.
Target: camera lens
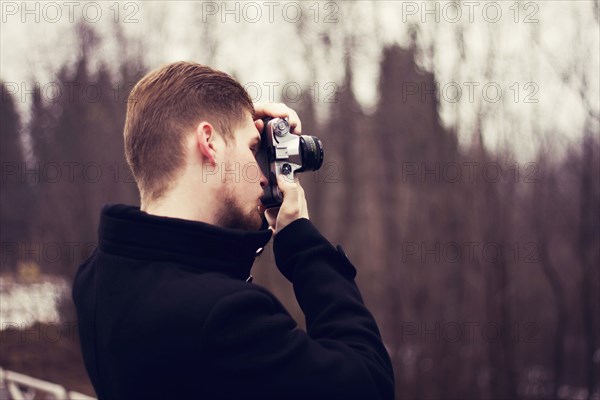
{"type": "Point", "coordinates": [311, 151]}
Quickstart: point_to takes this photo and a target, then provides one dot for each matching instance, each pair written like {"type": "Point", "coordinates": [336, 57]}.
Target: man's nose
{"type": "Point", "coordinates": [263, 180]}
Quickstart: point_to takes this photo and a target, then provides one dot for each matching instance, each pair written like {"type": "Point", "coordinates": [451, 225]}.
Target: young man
{"type": "Point", "coordinates": [165, 306]}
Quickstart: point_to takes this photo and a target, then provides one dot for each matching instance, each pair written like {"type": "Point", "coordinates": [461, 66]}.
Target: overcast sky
{"type": "Point", "coordinates": [259, 42]}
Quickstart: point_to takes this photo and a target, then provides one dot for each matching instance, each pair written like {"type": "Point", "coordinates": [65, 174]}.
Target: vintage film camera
{"type": "Point", "coordinates": [284, 153]}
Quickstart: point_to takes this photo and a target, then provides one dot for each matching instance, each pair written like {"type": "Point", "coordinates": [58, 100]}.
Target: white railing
{"type": "Point", "coordinates": [15, 386]}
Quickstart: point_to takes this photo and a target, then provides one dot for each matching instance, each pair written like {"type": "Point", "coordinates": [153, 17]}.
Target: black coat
{"type": "Point", "coordinates": [165, 311]}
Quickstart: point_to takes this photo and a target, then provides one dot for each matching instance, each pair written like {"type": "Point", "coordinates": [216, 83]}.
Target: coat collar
{"type": "Point", "coordinates": [129, 232]}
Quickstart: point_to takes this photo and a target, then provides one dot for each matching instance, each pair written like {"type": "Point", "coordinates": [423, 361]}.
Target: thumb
{"type": "Point", "coordinates": [271, 216]}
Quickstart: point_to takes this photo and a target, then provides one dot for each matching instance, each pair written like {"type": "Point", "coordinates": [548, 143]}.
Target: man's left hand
{"type": "Point", "coordinates": [276, 110]}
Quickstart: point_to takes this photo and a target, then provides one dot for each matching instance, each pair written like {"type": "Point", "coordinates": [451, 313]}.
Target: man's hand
{"type": "Point", "coordinates": [294, 201]}
{"type": "Point", "coordinates": [293, 207]}
{"type": "Point", "coordinates": [276, 110]}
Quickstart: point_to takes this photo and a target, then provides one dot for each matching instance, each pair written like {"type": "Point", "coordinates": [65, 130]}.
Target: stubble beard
{"type": "Point", "coordinates": [232, 215]}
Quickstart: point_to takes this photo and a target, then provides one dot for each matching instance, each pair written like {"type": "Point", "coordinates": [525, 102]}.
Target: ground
{"type": "Point", "coordinates": [46, 351]}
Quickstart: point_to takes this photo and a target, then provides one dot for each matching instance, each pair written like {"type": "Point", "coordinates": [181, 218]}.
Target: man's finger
{"type": "Point", "coordinates": [271, 215]}
{"type": "Point", "coordinates": [262, 110]}
{"type": "Point", "coordinates": [286, 184]}
{"type": "Point", "coordinates": [295, 124]}
{"type": "Point", "coordinates": [279, 110]}
{"type": "Point", "coordinates": [260, 125]}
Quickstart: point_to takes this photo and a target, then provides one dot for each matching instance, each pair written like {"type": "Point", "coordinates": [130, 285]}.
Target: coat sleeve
{"type": "Point", "coordinates": [255, 350]}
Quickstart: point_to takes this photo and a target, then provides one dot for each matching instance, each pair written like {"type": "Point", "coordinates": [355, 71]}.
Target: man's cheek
{"type": "Point", "coordinates": [251, 173]}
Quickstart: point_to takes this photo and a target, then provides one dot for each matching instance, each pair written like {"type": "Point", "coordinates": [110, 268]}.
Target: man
{"type": "Point", "coordinates": [165, 304]}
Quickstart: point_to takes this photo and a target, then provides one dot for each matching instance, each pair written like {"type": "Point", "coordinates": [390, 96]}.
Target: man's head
{"type": "Point", "coordinates": [189, 140]}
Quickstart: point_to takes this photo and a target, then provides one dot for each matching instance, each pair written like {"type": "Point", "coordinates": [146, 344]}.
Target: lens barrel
{"type": "Point", "coordinates": [311, 151]}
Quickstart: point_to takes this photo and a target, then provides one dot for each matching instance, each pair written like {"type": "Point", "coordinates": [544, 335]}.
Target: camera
{"type": "Point", "coordinates": [284, 153]}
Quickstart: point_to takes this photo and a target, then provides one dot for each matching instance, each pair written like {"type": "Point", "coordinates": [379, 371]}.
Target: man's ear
{"type": "Point", "coordinates": [205, 136]}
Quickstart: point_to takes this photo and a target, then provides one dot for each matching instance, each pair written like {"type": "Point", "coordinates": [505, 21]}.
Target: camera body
{"type": "Point", "coordinates": [284, 153]}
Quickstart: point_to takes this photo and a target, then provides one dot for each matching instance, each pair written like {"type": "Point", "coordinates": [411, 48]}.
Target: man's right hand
{"type": "Point", "coordinates": [293, 207]}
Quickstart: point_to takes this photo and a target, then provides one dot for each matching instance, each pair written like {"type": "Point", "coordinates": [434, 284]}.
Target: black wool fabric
{"type": "Point", "coordinates": [166, 311]}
